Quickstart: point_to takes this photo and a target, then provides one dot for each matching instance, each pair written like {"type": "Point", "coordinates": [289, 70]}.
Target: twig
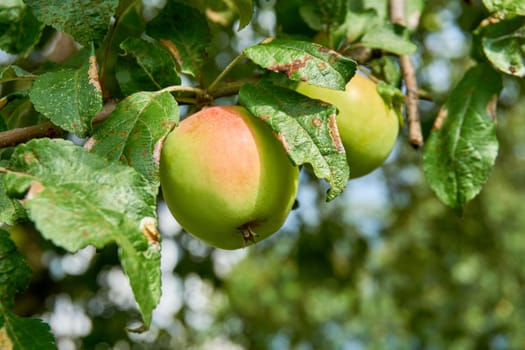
{"type": "Point", "coordinates": [232, 88]}
{"type": "Point", "coordinates": [180, 88]}
{"type": "Point", "coordinates": [415, 135]}
{"type": "Point", "coordinates": [226, 70]}
{"type": "Point", "coordinates": [17, 136]}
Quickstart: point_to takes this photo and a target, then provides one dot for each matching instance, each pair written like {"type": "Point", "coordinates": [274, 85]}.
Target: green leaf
{"type": "Point", "coordinates": [18, 333]}
{"type": "Point", "coordinates": [387, 68]}
{"type": "Point", "coordinates": [245, 10]}
{"type": "Point", "coordinates": [14, 271]}
{"type": "Point", "coordinates": [12, 72]}
{"type": "Point", "coordinates": [368, 28]}
{"type": "Point", "coordinates": [19, 111]}
{"type": "Point", "coordinates": [129, 22]}
{"type": "Point", "coordinates": [503, 44]}
{"type": "Point", "coordinates": [304, 61]}
{"type": "Point", "coordinates": [356, 24]}
{"type": "Point", "coordinates": [85, 20]}
{"type": "Point", "coordinates": [512, 7]}
{"type": "Point", "coordinates": [69, 98]}
{"type": "Point", "coordinates": [183, 30]}
{"type": "Point", "coordinates": [379, 6]}
{"type": "Point", "coordinates": [10, 210]}
{"type": "Point", "coordinates": [145, 66]}
{"type": "Point", "coordinates": [320, 15]}
{"type": "Point", "coordinates": [462, 147]}
{"type": "Point", "coordinates": [77, 198]}
{"type": "Point", "coordinates": [25, 333]}
{"type": "Point", "coordinates": [414, 9]}
{"type": "Point", "coordinates": [389, 38]}
{"type": "Point", "coordinates": [19, 29]}
{"type": "Point", "coordinates": [393, 98]}
{"type": "Point", "coordinates": [306, 128]}
{"type": "Point", "coordinates": [135, 130]}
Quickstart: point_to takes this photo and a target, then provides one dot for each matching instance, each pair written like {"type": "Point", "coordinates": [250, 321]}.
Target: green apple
{"type": "Point", "coordinates": [226, 178]}
{"type": "Point", "coordinates": [367, 126]}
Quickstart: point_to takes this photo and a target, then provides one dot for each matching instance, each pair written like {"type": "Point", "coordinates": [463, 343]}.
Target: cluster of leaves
{"type": "Point", "coordinates": [119, 95]}
{"type": "Point", "coordinates": [462, 147]}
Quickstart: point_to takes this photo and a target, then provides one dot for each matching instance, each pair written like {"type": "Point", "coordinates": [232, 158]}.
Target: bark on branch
{"type": "Point", "coordinates": [17, 136]}
{"type": "Point", "coordinates": [415, 135]}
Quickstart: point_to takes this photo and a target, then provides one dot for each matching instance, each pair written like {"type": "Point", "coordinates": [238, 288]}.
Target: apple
{"type": "Point", "coordinates": [226, 178]}
{"type": "Point", "coordinates": [367, 126]}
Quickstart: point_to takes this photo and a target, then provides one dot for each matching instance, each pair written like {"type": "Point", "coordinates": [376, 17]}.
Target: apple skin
{"type": "Point", "coordinates": [367, 127]}
{"type": "Point", "coordinates": [226, 178]}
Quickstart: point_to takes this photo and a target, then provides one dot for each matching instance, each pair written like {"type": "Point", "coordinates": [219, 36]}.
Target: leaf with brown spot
{"type": "Point", "coordinates": [304, 61]}
{"type": "Point", "coordinates": [70, 98]}
{"type": "Point", "coordinates": [502, 44]}
{"type": "Point", "coordinates": [77, 198]}
{"type": "Point", "coordinates": [34, 189]}
{"type": "Point", "coordinates": [184, 31]}
{"type": "Point", "coordinates": [462, 147]}
{"type": "Point", "coordinates": [133, 130]}
{"type": "Point", "coordinates": [305, 127]}
{"type": "Point", "coordinates": [93, 73]}
{"type": "Point", "coordinates": [86, 21]}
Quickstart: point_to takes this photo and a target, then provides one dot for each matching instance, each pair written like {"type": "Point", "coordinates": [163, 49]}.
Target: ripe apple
{"type": "Point", "coordinates": [367, 126]}
{"type": "Point", "coordinates": [226, 178]}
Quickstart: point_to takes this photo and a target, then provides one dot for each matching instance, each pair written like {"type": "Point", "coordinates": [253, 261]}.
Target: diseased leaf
{"type": "Point", "coordinates": [19, 29]}
{"type": "Point", "coordinates": [135, 130]}
{"type": "Point", "coordinates": [462, 147]}
{"type": "Point", "coordinates": [145, 66]}
{"type": "Point", "coordinates": [183, 30]}
{"type": "Point", "coordinates": [245, 10]}
{"type": "Point", "coordinates": [304, 61]}
{"type": "Point", "coordinates": [76, 199]}
{"type": "Point", "coordinates": [85, 20]}
{"type": "Point", "coordinates": [306, 128]}
{"type": "Point", "coordinates": [24, 333]}
{"type": "Point", "coordinates": [503, 44]}
{"type": "Point", "coordinates": [69, 98]}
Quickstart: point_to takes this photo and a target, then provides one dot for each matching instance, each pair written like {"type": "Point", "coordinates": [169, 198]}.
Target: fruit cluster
{"type": "Point", "coordinates": [227, 179]}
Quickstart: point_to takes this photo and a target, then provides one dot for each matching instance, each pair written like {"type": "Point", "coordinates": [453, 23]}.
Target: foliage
{"type": "Point", "coordinates": [114, 78]}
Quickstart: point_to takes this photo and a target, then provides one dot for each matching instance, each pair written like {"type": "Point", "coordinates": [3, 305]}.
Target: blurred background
{"type": "Point", "coordinates": [384, 266]}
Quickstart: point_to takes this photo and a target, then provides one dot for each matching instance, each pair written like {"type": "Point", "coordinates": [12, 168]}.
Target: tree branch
{"type": "Point", "coordinates": [415, 135]}
{"type": "Point", "coordinates": [16, 136]}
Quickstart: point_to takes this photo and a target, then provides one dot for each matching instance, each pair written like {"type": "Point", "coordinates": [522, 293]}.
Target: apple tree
{"type": "Point", "coordinates": [91, 89]}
